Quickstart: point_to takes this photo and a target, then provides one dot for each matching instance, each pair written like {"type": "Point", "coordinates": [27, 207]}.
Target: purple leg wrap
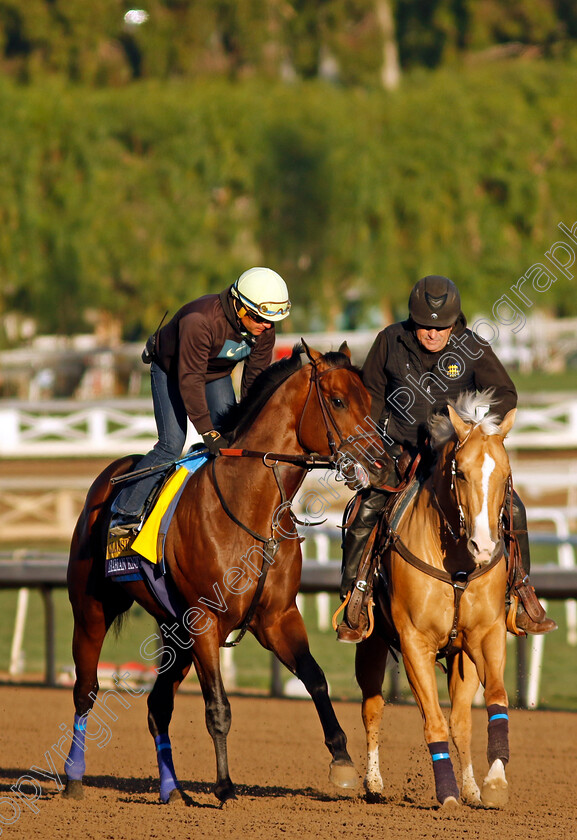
{"type": "Point", "coordinates": [168, 780]}
{"type": "Point", "coordinates": [74, 766]}
{"type": "Point", "coordinates": [445, 782]}
{"type": "Point", "coordinates": [498, 733]}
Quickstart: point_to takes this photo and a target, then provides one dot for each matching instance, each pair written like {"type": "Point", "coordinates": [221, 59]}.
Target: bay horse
{"type": "Point", "coordinates": [446, 577]}
{"type": "Point", "coordinates": [233, 554]}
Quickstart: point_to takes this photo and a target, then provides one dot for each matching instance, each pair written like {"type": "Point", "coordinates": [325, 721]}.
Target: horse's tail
{"type": "Point", "coordinates": [119, 622]}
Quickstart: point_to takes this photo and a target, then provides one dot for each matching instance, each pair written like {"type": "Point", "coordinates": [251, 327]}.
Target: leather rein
{"type": "Point", "coordinates": [271, 460]}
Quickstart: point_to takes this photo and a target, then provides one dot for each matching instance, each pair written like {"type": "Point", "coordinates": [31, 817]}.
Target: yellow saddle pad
{"type": "Point", "coordinates": [149, 540]}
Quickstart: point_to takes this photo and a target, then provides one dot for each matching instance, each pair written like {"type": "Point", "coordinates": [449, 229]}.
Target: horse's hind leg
{"type": "Point", "coordinates": [463, 682]}
{"type": "Point", "coordinates": [173, 669]}
{"type": "Point", "coordinates": [91, 623]}
{"type": "Point", "coordinates": [286, 636]}
{"type": "Point", "coordinates": [370, 662]}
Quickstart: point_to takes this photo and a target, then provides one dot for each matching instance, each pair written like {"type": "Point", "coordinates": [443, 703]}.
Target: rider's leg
{"type": "Point", "coordinates": [530, 616]}
{"type": "Point", "coordinates": [219, 398]}
{"type": "Point", "coordinates": [372, 503]}
{"type": "Point", "coordinates": [171, 419]}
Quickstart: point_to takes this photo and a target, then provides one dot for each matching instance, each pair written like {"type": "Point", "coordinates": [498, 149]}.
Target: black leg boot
{"type": "Point", "coordinates": [356, 538]}
{"type": "Point", "coordinates": [531, 616]}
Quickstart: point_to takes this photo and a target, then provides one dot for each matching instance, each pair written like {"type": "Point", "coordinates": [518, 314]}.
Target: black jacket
{"type": "Point", "coordinates": [408, 385]}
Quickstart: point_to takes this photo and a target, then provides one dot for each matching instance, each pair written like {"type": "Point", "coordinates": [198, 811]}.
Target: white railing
{"type": "Point", "coordinates": [41, 507]}
{"type": "Point", "coordinates": [65, 428]}
{"type": "Point", "coordinates": [73, 429]}
{"type": "Point", "coordinates": [545, 427]}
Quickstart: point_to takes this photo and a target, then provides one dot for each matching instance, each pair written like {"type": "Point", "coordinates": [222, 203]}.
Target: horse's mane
{"type": "Point", "coordinates": [465, 405]}
{"type": "Point", "coordinates": [240, 416]}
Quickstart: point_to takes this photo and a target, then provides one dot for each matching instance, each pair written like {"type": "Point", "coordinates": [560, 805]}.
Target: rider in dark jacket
{"type": "Point", "coordinates": [412, 370]}
{"type": "Point", "coordinates": [408, 383]}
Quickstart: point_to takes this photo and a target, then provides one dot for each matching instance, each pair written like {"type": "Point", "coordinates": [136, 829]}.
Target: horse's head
{"type": "Point", "coordinates": [336, 419]}
{"type": "Point", "coordinates": [479, 475]}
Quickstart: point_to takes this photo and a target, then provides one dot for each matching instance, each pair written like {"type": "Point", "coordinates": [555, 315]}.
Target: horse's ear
{"type": "Point", "coordinates": [313, 355]}
{"type": "Point", "coordinates": [507, 422]}
{"type": "Point", "coordinates": [459, 424]}
{"type": "Point", "coordinates": [344, 348]}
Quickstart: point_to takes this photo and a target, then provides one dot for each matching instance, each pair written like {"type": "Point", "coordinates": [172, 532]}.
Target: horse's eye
{"type": "Point", "coordinates": [460, 474]}
{"type": "Point", "coordinates": [337, 402]}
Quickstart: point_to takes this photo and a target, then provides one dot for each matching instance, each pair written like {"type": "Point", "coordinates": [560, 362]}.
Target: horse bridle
{"type": "Point", "coordinates": [271, 460]}
{"type": "Point", "coordinates": [312, 460]}
{"type": "Point", "coordinates": [459, 580]}
{"type": "Point", "coordinates": [455, 491]}
{"type": "Point", "coordinates": [328, 417]}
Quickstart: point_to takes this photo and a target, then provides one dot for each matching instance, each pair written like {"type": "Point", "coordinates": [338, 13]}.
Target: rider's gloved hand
{"type": "Point", "coordinates": [213, 441]}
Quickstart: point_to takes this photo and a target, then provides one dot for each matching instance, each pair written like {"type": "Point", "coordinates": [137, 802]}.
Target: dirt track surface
{"type": "Point", "coordinates": [280, 765]}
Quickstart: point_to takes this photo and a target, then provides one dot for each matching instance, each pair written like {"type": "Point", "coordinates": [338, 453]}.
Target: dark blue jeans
{"type": "Point", "coordinates": [170, 416]}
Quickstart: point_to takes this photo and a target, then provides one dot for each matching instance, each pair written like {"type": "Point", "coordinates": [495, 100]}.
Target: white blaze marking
{"type": "Point", "coordinates": [482, 529]}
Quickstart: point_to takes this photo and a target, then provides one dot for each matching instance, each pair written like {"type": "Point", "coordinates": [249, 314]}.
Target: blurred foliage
{"type": "Point", "coordinates": [143, 165]}
{"type": "Point", "coordinates": [132, 200]}
{"type": "Point", "coordinates": [237, 39]}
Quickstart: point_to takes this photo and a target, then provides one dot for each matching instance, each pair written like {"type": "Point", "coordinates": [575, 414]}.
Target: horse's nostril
{"type": "Point", "coordinates": [379, 465]}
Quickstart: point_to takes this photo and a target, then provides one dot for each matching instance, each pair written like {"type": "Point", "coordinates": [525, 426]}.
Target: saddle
{"type": "Point", "coordinates": [124, 554]}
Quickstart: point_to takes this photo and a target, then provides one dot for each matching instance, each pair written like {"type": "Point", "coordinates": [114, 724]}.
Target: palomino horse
{"type": "Point", "coordinates": [446, 572]}
{"type": "Point", "coordinates": [232, 525]}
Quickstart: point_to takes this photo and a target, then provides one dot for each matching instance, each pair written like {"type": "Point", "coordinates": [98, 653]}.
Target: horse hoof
{"type": "Point", "coordinates": [343, 774]}
{"type": "Point", "coordinates": [495, 793]}
{"type": "Point", "coordinates": [176, 797]}
{"type": "Point", "coordinates": [225, 793]}
{"type": "Point", "coordinates": [373, 787]}
{"type": "Point", "coordinates": [450, 805]}
{"type": "Point", "coordinates": [228, 804]}
{"type": "Point", "coordinates": [73, 789]}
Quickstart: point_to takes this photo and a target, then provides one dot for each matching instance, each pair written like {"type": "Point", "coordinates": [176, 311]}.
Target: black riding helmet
{"type": "Point", "coordinates": [434, 302]}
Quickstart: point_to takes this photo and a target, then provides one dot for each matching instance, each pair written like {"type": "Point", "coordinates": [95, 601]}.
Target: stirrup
{"type": "Point", "coordinates": [341, 607]}
{"type": "Point", "coordinates": [511, 620]}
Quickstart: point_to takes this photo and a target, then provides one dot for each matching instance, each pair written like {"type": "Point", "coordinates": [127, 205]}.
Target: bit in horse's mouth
{"type": "Point", "coordinates": [362, 476]}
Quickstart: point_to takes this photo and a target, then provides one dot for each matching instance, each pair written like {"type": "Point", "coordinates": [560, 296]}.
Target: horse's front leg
{"type": "Point", "coordinates": [286, 636]}
{"type": "Point", "coordinates": [491, 668]}
{"type": "Point", "coordinates": [463, 682]}
{"type": "Point", "coordinates": [370, 662]}
{"type": "Point", "coordinates": [419, 660]}
{"type": "Point", "coordinates": [217, 707]}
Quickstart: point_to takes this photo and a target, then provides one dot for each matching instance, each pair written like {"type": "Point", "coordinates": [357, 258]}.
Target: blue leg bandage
{"type": "Point", "coordinates": [168, 780]}
{"type": "Point", "coordinates": [75, 765]}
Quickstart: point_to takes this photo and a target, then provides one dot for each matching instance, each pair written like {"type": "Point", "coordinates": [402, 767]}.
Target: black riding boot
{"type": "Point", "coordinates": [372, 503]}
{"type": "Point", "coordinates": [357, 535]}
{"type": "Point", "coordinates": [531, 616]}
